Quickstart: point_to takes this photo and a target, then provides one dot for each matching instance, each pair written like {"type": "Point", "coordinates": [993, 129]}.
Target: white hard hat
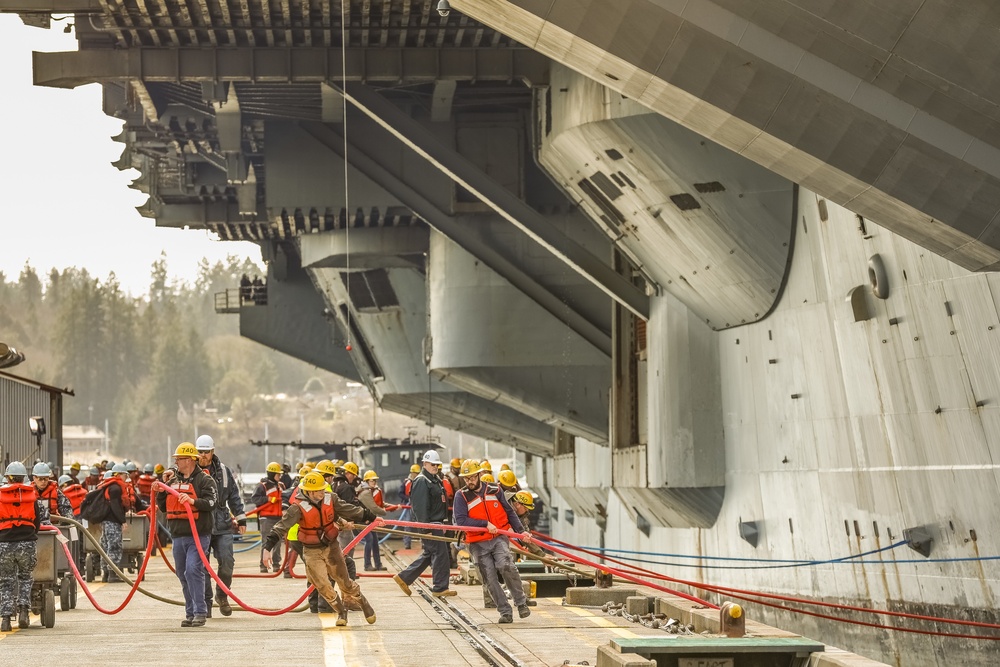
{"type": "Point", "coordinates": [204, 443]}
{"type": "Point", "coordinates": [431, 456]}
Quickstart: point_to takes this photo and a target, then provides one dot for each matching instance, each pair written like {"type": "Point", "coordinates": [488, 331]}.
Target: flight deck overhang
{"type": "Point", "coordinates": [301, 64]}
{"type": "Point", "coordinates": [848, 101]}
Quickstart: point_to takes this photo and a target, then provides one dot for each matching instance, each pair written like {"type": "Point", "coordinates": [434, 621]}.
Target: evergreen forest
{"type": "Point", "coordinates": [158, 368]}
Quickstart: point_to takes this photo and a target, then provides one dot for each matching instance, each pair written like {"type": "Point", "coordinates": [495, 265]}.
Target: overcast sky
{"type": "Point", "coordinates": [62, 202]}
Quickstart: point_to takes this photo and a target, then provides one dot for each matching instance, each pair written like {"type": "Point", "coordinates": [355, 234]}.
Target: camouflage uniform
{"type": "Point", "coordinates": [62, 502]}
{"type": "Point", "coordinates": [17, 567]}
{"type": "Point", "coordinates": [111, 542]}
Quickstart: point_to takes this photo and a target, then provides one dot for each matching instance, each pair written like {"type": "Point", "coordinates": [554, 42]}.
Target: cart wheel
{"type": "Point", "coordinates": [66, 594]}
{"type": "Point", "coordinates": [90, 568]}
{"type": "Point", "coordinates": [72, 594]}
{"type": "Point", "coordinates": [49, 609]}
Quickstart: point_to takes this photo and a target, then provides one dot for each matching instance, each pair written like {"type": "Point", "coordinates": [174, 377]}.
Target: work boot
{"type": "Point", "coordinates": [198, 622]}
{"type": "Point", "coordinates": [507, 618]}
{"type": "Point", "coordinates": [381, 568]}
{"type": "Point", "coordinates": [224, 606]}
{"type": "Point", "coordinates": [288, 574]}
{"type": "Point", "coordinates": [446, 593]}
{"type": "Point", "coordinates": [490, 604]}
{"type": "Point", "coordinates": [523, 611]}
{"type": "Point", "coordinates": [403, 586]}
{"type": "Point", "coordinates": [314, 602]}
{"type": "Point", "coordinates": [186, 623]}
{"type": "Point", "coordinates": [23, 620]}
{"type": "Point", "coordinates": [104, 576]}
{"type": "Point", "coordinates": [323, 606]}
{"type": "Point", "coordinates": [366, 608]}
{"type": "Point", "coordinates": [341, 608]}
{"type": "Point", "coordinates": [5, 625]}
{"type": "Point", "coordinates": [208, 614]}
{"type": "Point", "coordinates": [113, 578]}
{"type": "Point", "coordinates": [263, 568]}
{"type": "Point", "coordinates": [276, 567]}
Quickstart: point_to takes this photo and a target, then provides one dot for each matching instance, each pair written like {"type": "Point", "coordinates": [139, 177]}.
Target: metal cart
{"type": "Point", "coordinates": [135, 535]}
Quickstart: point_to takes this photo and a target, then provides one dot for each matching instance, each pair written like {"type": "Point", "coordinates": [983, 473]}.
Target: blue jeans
{"type": "Point", "coordinates": [191, 572]}
{"type": "Point", "coordinates": [222, 546]}
{"type": "Point", "coordinates": [371, 551]}
{"type": "Point", "coordinates": [435, 554]}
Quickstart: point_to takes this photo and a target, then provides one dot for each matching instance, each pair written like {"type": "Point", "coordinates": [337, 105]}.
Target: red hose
{"type": "Point", "coordinates": [83, 583]}
{"type": "Point", "coordinates": [225, 589]}
{"type": "Point", "coordinates": [741, 593]}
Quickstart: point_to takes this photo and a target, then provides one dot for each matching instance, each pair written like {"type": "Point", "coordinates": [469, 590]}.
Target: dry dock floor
{"type": "Point", "coordinates": [409, 630]}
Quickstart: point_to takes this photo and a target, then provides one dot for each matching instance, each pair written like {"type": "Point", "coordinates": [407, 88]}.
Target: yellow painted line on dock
{"type": "Point", "coordinates": [334, 651]}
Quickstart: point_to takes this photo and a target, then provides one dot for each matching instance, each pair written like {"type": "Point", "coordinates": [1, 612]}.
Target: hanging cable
{"type": "Point", "coordinates": [344, 16]}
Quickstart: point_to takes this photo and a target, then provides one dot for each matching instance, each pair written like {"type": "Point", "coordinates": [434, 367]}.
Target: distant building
{"type": "Point", "coordinates": [84, 444]}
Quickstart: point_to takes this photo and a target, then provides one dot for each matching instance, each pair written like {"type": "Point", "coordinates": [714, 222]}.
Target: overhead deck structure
{"type": "Point", "coordinates": [723, 269]}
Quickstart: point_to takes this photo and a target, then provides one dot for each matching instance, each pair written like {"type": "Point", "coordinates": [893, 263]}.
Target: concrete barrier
{"type": "Point", "coordinates": [595, 597]}
{"type": "Point", "coordinates": [608, 657]}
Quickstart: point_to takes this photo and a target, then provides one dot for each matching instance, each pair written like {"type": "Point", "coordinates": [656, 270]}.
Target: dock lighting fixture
{"type": "Point", "coordinates": [37, 426]}
{"type": "Point", "coordinates": [444, 7]}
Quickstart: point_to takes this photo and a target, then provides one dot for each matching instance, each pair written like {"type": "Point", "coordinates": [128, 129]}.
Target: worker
{"type": "Point", "coordinates": [19, 524]}
{"type": "Point", "coordinates": [404, 499]}
{"type": "Point", "coordinates": [199, 492]}
{"type": "Point", "coordinates": [319, 514]}
{"type": "Point", "coordinates": [482, 505]}
{"type": "Point", "coordinates": [487, 478]}
{"type": "Point", "coordinates": [508, 484]}
{"type": "Point", "coordinates": [523, 503]}
{"type": "Point", "coordinates": [53, 500]}
{"type": "Point", "coordinates": [92, 479]}
{"type": "Point", "coordinates": [74, 472]}
{"type": "Point", "coordinates": [267, 499]}
{"type": "Point", "coordinates": [430, 505]}
{"type": "Point", "coordinates": [120, 494]}
{"type": "Point", "coordinates": [228, 517]}
{"type": "Point", "coordinates": [74, 492]}
{"type": "Point", "coordinates": [370, 492]}
{"type": "Point", "coordinates": [345, 485]}
{"type": "Point", "coordinates": [456, 480]}
{"type": "Point", "coordinates": [133, 473]}
{"type": "Point", "coordinates": [144, 485]}
{"type": "Point", "coordinates": [486, 466]}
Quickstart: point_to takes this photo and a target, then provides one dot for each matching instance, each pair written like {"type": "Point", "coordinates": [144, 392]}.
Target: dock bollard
{"type": "Point", "coordinates": [731, 620]}
{"type": "Point", "coordinates": [603, 579]}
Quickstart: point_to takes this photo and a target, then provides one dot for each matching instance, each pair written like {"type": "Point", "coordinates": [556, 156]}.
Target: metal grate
{"type": "Point", "coordinates": [685, 202]}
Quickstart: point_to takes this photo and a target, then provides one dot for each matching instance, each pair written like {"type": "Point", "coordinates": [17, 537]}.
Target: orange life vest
{"type": "Point", "coordinates": [272, 507]}
{"type": "Point", "coordinates": [295, 498]}
{"type": "Point", "coordinates": [145, 485]}
{"type": "Point", "coordinates": [17, 505]}
{"type": "Point", "coordinates": [128, 491]}
{"type": "Point", "coordinates": [51, 494]}
{"type": "Point", "coordinates": [377, 497]}
{"type": "Point", "coordinates": [75, 493]}
{"type": "Point", "coordinates": [486, 507]}
{"type": "Point", "coordinates": [175, 508]}
{"type": "Point", "coordinates": [407, 486]}
{"type": "Point", "coordinates": [318, 525]}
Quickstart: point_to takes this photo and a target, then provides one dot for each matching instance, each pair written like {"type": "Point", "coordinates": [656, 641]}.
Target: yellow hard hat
{"type": "Point", "coordinates": [488, 478]}
{"type": "Point", "coordinates": [469, 467]}
{"type": "Point", "coordinates": [414, 468]}
{"type": "Point", "coordinates": [351, 467]}
{"type": "Point", "coordinates": [505, 467]}
{"type": "Point", "coordinates": [525, 499]}
{"type": "Point", "coordinates": [158, 469]}
{"type": "Point", "coordinates": [305, 470]}
{"type": "Point", "coordinates": [186, 449]}
{"type": "Point", "coordinates": [507, 478]}
{"type": "Point", "coordinates": [371, 474]}
{"type": "Point", "coordinates": [75, 466]}
{"type": "Point", "coordinates": [456, 463]}
{"type": "Point", "coordinates": [339, 463]}
{"type": "Point", "coordinates": [274, 466]}
{"type": "Point", "coordinates": [312, 482]}
{"type": "Point", "coordinates": [486, 465]}
{"type": "Point", "coordinates": [326, 468]}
